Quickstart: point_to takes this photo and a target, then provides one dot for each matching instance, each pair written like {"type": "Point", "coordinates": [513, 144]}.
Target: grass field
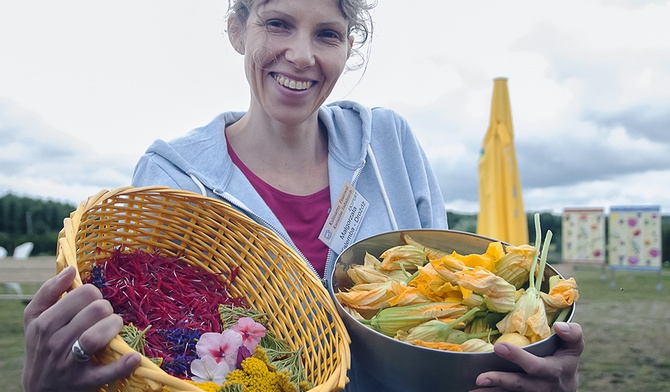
{"type": "Point", "coordinates": [625, 318]}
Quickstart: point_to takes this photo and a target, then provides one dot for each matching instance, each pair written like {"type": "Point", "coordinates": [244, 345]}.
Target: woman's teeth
{"type": "Point", "coordinates": [292, 84]}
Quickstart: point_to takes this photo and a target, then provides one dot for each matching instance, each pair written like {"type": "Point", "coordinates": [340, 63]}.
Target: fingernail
{"type": "Point", "coordinates": [64, 272]}
{"type": "Point", "coordinates": [561, 326]}
{"type": "Point", "coordinates": [485, 382]}
{"type": "Point", "coordinates": [501, 349]}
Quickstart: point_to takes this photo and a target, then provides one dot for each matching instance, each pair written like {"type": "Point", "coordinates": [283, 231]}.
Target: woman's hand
{"type": "Point", "coordinates": [51, 327]}
{"type": "Point", "coordinates": [554, 373]}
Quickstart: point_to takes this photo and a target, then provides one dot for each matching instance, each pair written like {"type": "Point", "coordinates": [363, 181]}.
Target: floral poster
{"type": "Point", "coordinates": [583, 236]}
{"type": "Point", "coordinates": [635, 237]}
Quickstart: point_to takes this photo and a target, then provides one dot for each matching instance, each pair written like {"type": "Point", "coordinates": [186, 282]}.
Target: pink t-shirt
{"type": "Point", "coordinates": [303, 217]}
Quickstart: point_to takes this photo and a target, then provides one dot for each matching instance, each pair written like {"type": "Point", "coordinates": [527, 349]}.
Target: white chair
{"type": "Point", "coordinates": [20, 252]}
{"type": "Point", "coordinates": [23, 251]}
{"type": "Point", "coordinates": [3, 252]}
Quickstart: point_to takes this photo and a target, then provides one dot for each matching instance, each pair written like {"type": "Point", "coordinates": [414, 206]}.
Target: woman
{"type": "Point", "coordinates": [286, 152]}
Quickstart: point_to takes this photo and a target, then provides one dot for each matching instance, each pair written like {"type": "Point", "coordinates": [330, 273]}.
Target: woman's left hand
{"type": "Point", "coordinates": [556, 373]}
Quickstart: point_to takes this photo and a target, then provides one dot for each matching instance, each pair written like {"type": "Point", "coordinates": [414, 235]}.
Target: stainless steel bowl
{"type": "Point", "coordinates": [403, 366]}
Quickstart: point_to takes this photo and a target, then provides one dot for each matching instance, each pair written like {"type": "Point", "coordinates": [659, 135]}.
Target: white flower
{"type": "Point", "coordinates": [207, 369]}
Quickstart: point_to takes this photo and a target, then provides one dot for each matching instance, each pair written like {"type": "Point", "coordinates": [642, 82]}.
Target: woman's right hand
{"type": "Point", "coordinates": [51, 327]}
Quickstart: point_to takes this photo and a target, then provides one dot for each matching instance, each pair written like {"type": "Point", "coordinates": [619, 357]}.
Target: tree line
{"type": "Point", "coordinates": [25, 219]}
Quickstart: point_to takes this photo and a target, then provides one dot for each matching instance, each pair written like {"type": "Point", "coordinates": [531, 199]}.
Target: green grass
{"type": "Point", "coordinates": [11, 344]}
{"type": "Point", "coordinates": [626, 329]}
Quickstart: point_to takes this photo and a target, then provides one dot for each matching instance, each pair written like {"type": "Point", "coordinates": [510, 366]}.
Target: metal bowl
{"type": "Point", "coordinates": [405, 367]}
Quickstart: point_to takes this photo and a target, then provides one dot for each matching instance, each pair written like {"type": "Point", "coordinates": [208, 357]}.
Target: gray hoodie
{"type": "Point", "coordinates": [373, 149]}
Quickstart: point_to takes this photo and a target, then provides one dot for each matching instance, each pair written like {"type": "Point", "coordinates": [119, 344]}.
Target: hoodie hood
{"type": "Point", "coordinates": [202, 152]}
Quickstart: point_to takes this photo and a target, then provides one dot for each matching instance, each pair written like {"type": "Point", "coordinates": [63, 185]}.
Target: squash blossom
{"type": "Point", "coordinates": [431, 253]}
{"type": "Point", "coordinates": [438, 331]}
{"type": "Point", "coordinates": [402, 256]}
{"type": "Point", "coordinates": [515, 265]}
{"type": "Point", "coordinates": [391, 320]}
{"type": "Point", "coordinates": [361, 274]}
{"type": "Point", "coordinates": [439, 345]}
{"type": "Point", "coordinates": [476, 346]}
{"type": "Point", "coordinates": [369, 296]}
{"type": "Point", "coordinates": [406, 295]}
{"type": "Point", "coordinates": [433, 286]}
{"type": "Point", "coordinates": [562, 293]}
{"type": "Point", "coordinates": [487, 260]}
{"type": "Point", "coordinates": [497, 292]}
{"type": "Point", "coordinates": [529, 317]}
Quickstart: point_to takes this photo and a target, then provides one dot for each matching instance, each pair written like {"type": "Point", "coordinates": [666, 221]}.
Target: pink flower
{"type": "Point", "coordinates": [251, 331]}
{"type": "Point", "coordinates": [221, 346]}
{"type": "Point", "coordinates": [208, 369]}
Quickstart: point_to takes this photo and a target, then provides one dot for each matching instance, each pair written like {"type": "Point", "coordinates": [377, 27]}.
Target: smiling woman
{"type": "Point", "coordinates": [320, 176]}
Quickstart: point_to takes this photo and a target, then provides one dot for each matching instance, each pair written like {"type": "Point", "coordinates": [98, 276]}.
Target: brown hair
{"type": "Point", "coordinates": [356, 12]}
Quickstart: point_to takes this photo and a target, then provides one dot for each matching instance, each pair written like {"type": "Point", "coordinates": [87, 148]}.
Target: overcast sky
{"type": "Point", "coordinates": [87, 85]}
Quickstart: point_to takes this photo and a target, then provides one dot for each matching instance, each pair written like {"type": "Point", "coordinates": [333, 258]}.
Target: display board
{"type": "Point", "coordinates": [635, 238]}
{"type": "Point", "coordinates": [583, 236]}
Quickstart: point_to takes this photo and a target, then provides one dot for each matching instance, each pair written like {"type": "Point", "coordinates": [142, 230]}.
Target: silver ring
{"type": "Point", "coordinates": [78, 353]}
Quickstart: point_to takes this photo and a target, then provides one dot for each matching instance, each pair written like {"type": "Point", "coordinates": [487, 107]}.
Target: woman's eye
{"type": "Point", "coordinates": [331, 35]}
{"type": "Point", "coordinates": [275, 25]}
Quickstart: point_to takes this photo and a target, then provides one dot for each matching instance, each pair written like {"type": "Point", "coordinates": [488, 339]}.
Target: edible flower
{"type": "Point", "coordinates": [251, 332]}
{"type": "Point", "coordinates": [402, 257]}
{"type": "Point", "coordinates": [391, 320]}
{"type": "Point", "coordinates": [432, 285]}
{"type": "Point", "coordinates": [208, 369]}
{"type": "Point", "coordinates": [222, 347]}
{"type": "Point", "coordinates": [529, 317]}
{"type": "Point", "coordinates": [562, 293]}
{"type": "Point", "coordinates": [515, 265]}
{"type": "Point", "coordinates": [368, 296]}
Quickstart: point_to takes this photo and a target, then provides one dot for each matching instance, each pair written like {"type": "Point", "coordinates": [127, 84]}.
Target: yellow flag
{"type": "Point", "coordinates": [501, 213]}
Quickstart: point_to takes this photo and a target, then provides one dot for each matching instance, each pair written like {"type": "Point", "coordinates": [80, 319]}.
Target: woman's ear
{"type": "Point", "coordinates": [236, 33]}
{"type": "Point", "coordinates": [350, 42]}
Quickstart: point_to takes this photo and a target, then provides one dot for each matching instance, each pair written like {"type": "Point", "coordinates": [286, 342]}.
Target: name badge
{"type": "Point", "coordinates": [344, 219]}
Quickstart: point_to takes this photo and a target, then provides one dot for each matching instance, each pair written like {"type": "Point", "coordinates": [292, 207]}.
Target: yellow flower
{"type": "Point", "coordinates": [439, 345]}
{"type": "Point", "coordinates": [254, 376]}
{"type": "Point", "coordinates": [432, 285]}
{"type": "Point", "coordinates": [406, 295]}
{"type": "Point", "coordinates": [431, 253]}
{"type": "Point", "coordinates": [438, 331]}
{"type": "Point", "coordinates": [562, 293]}
{"type": "Point", "coordinates": [476, 346]}
{"type": "Point", "coordinates": [361, 274]}
{"type": "Point", "coordinates": [368, 296]}
{"type": "Point", "coordinates": [515, 265]}
{"type": "Point", "coordinates": [528, 317]}
{"type": "Point", "coordinates": [391, 320]}
{"type": "Point", "coordinates": [498, 294]}
{"type": "Point", "coordinates": [209, 386]}
{"type": "Point", "coordinates": [368, 272]}
{"type": "Point", "coordinates": [406, 257]}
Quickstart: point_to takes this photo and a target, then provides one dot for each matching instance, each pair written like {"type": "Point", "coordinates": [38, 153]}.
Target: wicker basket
{"type": "Point", "coordinates": [210, 234]}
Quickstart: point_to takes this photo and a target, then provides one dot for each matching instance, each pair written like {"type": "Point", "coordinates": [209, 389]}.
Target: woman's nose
{"type": "Point", "coordinates": [300, 52]}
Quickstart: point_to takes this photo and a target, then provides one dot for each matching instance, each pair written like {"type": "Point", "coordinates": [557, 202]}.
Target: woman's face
{"type": "Point", "coordinates": [295, 51]}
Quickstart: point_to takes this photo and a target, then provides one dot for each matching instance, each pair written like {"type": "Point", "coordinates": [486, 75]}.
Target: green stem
{"type": "Point", "coordinates": [543, 259]}
{"type": "Point", "coordinates": [561, 316]}
{"type": "Point", "coordinates": [466, 316]}
{"type": "Point", "coordinates": [411, 277]}
{"type": "Point", "coordinates": [538, 235]}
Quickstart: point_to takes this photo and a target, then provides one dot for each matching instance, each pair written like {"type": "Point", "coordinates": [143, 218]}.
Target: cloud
{"type": "Point", "coordinates": [587, 80]}
{"type": "Point", "coordinates": [37, 159]}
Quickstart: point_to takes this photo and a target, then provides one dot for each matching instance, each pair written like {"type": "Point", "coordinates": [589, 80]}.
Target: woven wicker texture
{"type": "Point", "coordinates": [210, 234]}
